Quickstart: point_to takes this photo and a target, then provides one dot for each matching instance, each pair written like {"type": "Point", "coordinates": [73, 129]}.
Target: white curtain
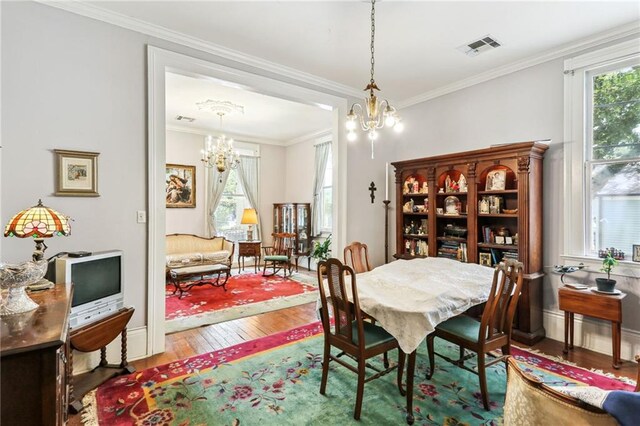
{"type": "Point", "coordinates": [217, 182]}
{"type": "Point", "coordinates": [322, 156]}
{"type": "Point", "coordinates": [248, 176]}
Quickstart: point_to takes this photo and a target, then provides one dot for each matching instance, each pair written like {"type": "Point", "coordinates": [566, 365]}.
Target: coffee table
{"type": "Point", "coordinates": [179, 275]}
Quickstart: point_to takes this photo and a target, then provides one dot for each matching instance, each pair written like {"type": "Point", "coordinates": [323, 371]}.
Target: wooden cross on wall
{"type": "Point", "coordinates": [372, 187]}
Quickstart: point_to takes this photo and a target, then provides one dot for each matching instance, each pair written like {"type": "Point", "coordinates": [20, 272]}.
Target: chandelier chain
{"type": "Point", "coordinates": [373, 33]}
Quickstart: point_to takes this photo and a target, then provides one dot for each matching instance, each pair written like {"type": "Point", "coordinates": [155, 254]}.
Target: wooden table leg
{"type": "Point", "coordinates": [616, 331]}
{"type": "Point", "coordinates": [571, 329]}
{"type": "Point", "coordinates": [566, 332]}
{"type": "Point", "coordinates": [411, 368]}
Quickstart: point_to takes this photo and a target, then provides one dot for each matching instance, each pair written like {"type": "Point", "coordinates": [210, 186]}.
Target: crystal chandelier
{"type": "Point", "coordinates": [378, 114]}
{"type": "Point", "coordinates": [220, 155]}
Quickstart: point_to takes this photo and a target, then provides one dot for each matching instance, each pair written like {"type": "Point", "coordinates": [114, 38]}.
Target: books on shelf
{"type": "Point", "coordinates": [453, 250]}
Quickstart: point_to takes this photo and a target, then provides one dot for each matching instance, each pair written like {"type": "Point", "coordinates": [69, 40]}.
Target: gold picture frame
{"type": "Point", "coordinates": [77, 173]}
{"type": "Point", "coordinates": [180, 187]}
{"type": "Point", "coordinates": [484, 259]}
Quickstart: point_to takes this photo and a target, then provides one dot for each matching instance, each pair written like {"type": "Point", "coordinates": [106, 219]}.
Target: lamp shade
{"type": "Point", "coordinates": [38, 222]}
{"type": "Point", "coordinates": [249, 217]}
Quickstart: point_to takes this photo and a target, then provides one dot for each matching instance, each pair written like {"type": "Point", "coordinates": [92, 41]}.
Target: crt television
{"type": "Point", "coordinates": [97, 285]}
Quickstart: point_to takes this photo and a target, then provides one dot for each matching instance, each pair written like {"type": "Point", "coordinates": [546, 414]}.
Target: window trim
{"type": "Point", "coordinates": [576, 71]}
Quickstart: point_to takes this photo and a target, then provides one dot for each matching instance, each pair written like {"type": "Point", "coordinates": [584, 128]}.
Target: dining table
{"type": "Point", "coordinates": [409, 298]}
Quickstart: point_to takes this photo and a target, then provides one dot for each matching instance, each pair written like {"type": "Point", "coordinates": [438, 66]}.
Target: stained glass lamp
{"type": "Point", "coordinates": [39, 222]}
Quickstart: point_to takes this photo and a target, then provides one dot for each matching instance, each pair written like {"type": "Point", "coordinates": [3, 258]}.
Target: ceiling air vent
{"type": "Point", "coordinates": [474, 48]}
{"type": "Point", "coordinates": [183, 118]}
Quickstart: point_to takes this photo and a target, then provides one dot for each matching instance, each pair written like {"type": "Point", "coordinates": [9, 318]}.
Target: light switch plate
{"type": "Point", "coordinates": [142, 216]}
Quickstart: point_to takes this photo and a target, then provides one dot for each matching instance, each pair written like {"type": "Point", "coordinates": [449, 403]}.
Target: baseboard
{"type": "Point", "coordinates": [136, 349]}
{"type": "Point", "coordinates": [592, 334]}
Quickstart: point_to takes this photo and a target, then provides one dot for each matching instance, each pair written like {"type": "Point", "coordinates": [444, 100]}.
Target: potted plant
{"type": "Point", "coordinates": [321, 250]}
{"type": "Point", "coordinates": [607, 284]}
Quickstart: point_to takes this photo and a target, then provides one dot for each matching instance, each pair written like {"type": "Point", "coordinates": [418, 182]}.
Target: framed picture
{"type": "Point", "coordinates": [508, 240]}
{"type": "Point", "coordinates": [635, 256]}
{"type": "Point", "coordinates": [485, 259]}
{"type": "Point", "coordinates": [180, 186]}
{"type": "Point", "coordinates": [496, 180]}
{"type": "Point", "coordinates": [77, 173]}
{"type": "Point", "coordinates": [499, 239]}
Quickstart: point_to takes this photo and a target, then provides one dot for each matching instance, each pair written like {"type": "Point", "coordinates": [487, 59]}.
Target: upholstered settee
{"type": "Point", "coordinates": [184, 250]}
{"type": "Point", "coordinates": [529, 402]}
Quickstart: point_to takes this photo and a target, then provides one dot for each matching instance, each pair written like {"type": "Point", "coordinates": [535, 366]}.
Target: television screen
{"type": "Point", "coordinates": [95, 279]}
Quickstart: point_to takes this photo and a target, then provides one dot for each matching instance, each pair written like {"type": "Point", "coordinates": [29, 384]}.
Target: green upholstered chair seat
{"type": "Point", "coordinates": [278, 258]}
{"type": "Point", "coordinates": [373, 334]}
{"type": "Point", "coordinates": [461, 326]}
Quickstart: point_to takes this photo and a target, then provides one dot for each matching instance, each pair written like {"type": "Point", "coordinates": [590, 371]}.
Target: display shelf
{"type": "Point", "coordinates": [498, 246]}
{"type": "Point", "coordinates": [421, 236]}
{"type": "Point", "coordinates": [482, 183]}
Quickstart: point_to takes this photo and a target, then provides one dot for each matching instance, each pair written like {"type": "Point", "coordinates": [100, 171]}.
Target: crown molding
{"type": "Point", "coordinates": [235, 136]}
{"type": "Point", "coordinates": [627, 30]}
{"type": "Point", "coordinates": [320, 134]}
{"type": "Point", "coordinates": [95, 12]}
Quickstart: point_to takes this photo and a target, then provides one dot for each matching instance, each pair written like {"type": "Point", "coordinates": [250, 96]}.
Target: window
{"type": "Point", "coordinates": [326, 198]}
{"type": "Point", "coordinates": [603, 158]}
{"type": "Point", "coordinates": [229, 211]}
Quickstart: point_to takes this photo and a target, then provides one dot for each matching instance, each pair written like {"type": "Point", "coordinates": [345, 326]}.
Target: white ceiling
{"type": "Point", "coordinates": [415, 41]}
{"type": "Point", "coordinates": [327, 43]}
{"type": "Point", "coordinates": [265, 118]}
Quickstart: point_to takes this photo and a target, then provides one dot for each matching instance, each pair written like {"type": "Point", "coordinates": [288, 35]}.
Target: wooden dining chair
{"type": "Point", "coordinates": [278, 256]}
{"type": "Point", "coordinates": [356, 255]}
{"type": "Point", "coordinates": [358, 339]}
{"type": "Point", "coordinates": [492, 332]}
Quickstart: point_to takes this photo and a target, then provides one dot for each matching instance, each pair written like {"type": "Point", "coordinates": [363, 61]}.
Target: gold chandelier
{"type": "Point", "coordinates": [222, 156]}
{"type": "Point", "coordinates": [378, 114]}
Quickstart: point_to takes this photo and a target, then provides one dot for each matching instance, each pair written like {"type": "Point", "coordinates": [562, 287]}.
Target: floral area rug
{"type": "Point", "coordinates": [275, 380]}
{"type": "Point", "coordinates": [246, 295]}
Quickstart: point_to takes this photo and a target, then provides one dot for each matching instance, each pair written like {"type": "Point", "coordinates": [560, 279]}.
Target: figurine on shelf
{"type": "Point", "coordinates": [408, 185]}
{"type": "Point", "coordinates": [408, 206]}
{"type": "Point", "coordinates": [426, 204]}
{"type": "Point", "coordinates": [447, 183]}
{"type": "Point", "coordinates": [483, 207]}
{"type": "Point", "coordinates": [413, 228]}
{"type": "Point", "coordinates": [420, 231]}
{"type": "Point", "coordinates": [407, 246]}
{"type": "Point", "coordinates": [416, 186]}
{"type": "Point", "coordinates": [425, 188]}
{"type": "Point", "coordinates": [407, 229]}
{"type": "Point", "coordinates": [462, 183]}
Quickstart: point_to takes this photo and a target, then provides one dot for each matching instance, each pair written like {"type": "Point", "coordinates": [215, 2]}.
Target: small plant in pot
{"type": "Point", "coordinates": [607, 284]}
{"type": "Point", "coordinates": [321, 250]}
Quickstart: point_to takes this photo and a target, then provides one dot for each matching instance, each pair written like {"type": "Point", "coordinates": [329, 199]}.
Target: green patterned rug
{"type": "Point", "coordinates": [276, 380]}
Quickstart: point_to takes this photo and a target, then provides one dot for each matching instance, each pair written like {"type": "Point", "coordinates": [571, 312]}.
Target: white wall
{"type": "Point", "coordinates": [271, 185]}
{"type": "Point", "coordinates": [523, 106]}
{"type": "Point", "coordinates": [300, 170]}
{"type": "Point", "coordinates": [184, 148]}
{"type": "Point", "coordinates": [71, 82]}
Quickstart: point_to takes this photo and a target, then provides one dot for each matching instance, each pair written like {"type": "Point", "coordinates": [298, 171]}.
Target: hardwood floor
{"type": "Point", "coordinates": [213, 337]}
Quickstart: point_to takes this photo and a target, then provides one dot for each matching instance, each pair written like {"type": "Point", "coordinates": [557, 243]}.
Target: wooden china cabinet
{"type": "Point", "coordinates": [478, 206]}
{"type": "Point", "coordinates": [294, 218]}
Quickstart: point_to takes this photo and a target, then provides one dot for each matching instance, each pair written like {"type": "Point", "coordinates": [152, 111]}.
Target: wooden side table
{"type": "Point", "coordinates": [596, 305]}
{"type": "Point", "coordinates": [92, 337]}
{"type": "Point", "coordinates": [249, 249]}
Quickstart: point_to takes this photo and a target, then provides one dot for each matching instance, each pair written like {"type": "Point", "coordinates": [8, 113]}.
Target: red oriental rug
{"type": "Point", "coordinates": [246, 295]}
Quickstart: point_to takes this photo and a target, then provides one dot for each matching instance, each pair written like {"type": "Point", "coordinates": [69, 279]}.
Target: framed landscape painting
{"type": "Point", "coordinates": [77, 173]}
{"type": "Point", "coordinates": [180, 184]}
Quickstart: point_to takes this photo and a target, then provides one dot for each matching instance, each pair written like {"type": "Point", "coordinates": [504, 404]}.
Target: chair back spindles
{"type": "Point", "coordinates": [500, 309]}
{"type": "Point", "coordinates": [344, 311]}
{"type": "Point", "coordinates": [356, 255]}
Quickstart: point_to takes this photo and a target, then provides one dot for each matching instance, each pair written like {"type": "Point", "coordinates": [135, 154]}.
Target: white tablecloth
{"type": "Point", "coordinates": [410, 297]}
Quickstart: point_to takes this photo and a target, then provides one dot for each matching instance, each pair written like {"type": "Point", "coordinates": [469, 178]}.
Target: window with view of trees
{"type": "Point", "coordinates": [612, 166]}
{"type": "Point", "coordinates": [229, 212]}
